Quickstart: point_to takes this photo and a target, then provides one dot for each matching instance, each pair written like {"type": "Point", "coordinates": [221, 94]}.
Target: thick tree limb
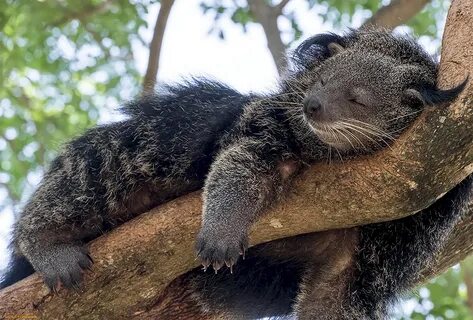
{"type": "Point", "coordinates": [397, 12]}
{"type": "Point", "coordinates": [155, 46]}
{"type": "Point", "coordinates": [135, 262]}
{"type": "Point", "coordinates": [456, 62]}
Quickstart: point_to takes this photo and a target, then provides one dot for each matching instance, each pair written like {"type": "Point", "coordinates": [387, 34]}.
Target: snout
{"type": "Point", "coordinates": [312, 107]}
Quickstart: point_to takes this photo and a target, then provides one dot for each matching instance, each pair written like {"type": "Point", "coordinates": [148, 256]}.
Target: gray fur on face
{"type": "Point", "coordinates": [356, 108]}
{"type": "Point", "coordinates": [361, 99]}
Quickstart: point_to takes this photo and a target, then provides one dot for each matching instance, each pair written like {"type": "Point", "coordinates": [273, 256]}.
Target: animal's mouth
{"type": "Point", "coordinates": [351, 134]}
{"type": "Point", "coordinates": [332, 137]}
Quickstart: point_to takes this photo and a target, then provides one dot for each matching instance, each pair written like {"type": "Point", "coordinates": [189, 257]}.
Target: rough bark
{"type": "Point", "coordinates": [135, 262]}
{"type": "Point", "coordinates": [397, 12]}
{"type": "Point", "coordinates": [267, 16]}
{"type": "Point", "coordinates": [456, 63]}
{"type": "Point", "coordinates": [155, 46]}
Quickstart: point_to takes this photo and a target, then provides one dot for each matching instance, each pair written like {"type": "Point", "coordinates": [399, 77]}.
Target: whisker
{"type": "Point", "coordinates": [365, 125]}
{"type": "Point", "coordinates": [349, 141]}
{"type": "Point", "coordinates": [341, 158]}
{"type": "Point", "coordinates": [284, 108]}
{"type": "Point", "coordinates": [300, 117]}
{"type": "Point", "coordinates": [284, 103]}
{"type": "Point", "coordinates": [363, 132]}
{"type": "Point", "coordinates": [380, 134]}
{"type": "Point", "coordinates": [355, 137]}
{"type": "Point", "coordinates": [329, 155]}
{"type": "Point", "coordinates": [405, 115]}
{"type": "Point", "coordinates": [368, 128]}
{"type": "Point", "coordinates": [299, 89]}
{"type": "Point", "coordinates": [362, 123]}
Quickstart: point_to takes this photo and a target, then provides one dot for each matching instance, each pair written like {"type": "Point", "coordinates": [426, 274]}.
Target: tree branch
{"type": "Point", "coordinates": [455, 64]}
{"type": "Point", "coordinates": [155, 46]}
{"type": "Point", "coordinates": [280, 6]}
{"type": "Point", "coordinates": [84, 13]}
{"type": "Point", "coordinates": [397, 12]}
{"type": "Point", "coordinates": [267, 16]}
{"type": "Point", "coordinates": [136, 262]}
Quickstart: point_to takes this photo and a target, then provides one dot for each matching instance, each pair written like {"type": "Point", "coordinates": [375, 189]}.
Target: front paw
{"type": "Point", "coordinates": [64, 264]}
{"type": "Point", "coordinates": [220, 248]}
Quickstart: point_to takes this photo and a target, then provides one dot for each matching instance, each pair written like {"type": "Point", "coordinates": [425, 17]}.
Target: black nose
{"type": "Point", "coordinates": [312, 106]}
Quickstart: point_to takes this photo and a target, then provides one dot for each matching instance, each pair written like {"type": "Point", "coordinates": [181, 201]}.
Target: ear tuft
{"type": "Point", "coordinates": [435, 96]}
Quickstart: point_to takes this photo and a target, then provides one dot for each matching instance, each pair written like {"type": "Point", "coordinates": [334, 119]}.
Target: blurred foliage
{"type": "Point", "coordinates": [445, 297]}
{"type": "Point", "coordinates": [337, 14]}
{"type": "Point", "coordinates": [59, 61]}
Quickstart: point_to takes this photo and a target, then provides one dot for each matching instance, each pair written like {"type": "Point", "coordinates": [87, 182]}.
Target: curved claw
{"type": "Point", "coordinates": [220, 251]}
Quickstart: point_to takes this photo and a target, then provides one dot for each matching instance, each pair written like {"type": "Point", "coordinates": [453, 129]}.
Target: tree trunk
{"type": "Point", "coordinates": [267, 16]}
{"type": "Point", "coordinates": [155, 47]}
{"type": "Point", "coordinates": [136, 262]}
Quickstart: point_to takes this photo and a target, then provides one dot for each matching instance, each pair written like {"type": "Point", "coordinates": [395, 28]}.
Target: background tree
{"type": "Point", "coordinates": [61, 62]}
{"type": "Point", "coordinates": [155, 46]}
{"type": "Point", "coordinates": [336, 13]}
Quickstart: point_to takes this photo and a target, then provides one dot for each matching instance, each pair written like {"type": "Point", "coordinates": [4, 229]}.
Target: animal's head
{"type": "Point", "coordinates": [363, 89]}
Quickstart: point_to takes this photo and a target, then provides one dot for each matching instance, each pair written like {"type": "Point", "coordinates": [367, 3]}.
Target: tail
{"type": "Point", "coordinates": [393, 254]}
{"type": "Point", "coordinates": [17, 269]}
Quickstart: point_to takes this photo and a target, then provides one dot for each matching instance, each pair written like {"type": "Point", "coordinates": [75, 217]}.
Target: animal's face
{"type": "Point", "coordinates": [363, 99]}
{"type": "Point", "coordinates": [356, 101]}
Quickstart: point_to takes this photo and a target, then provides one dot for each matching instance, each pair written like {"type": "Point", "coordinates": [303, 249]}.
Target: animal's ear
{"type": "Point", "coordinates": [316, 49]}
{"type": "Point", "coordinates": [430, 95]}
{"type": "Point", "coordinates": [335, 48]}
{"type": "Point", "coordinates": [422, 89]}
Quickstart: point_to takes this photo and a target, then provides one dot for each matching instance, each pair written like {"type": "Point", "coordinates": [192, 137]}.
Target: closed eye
{"type": "Point", "coordinates": [353, 100]}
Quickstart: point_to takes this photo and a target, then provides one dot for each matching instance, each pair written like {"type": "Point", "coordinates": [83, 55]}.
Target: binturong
{"type": "Point", "coordinates": [343, 96]}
